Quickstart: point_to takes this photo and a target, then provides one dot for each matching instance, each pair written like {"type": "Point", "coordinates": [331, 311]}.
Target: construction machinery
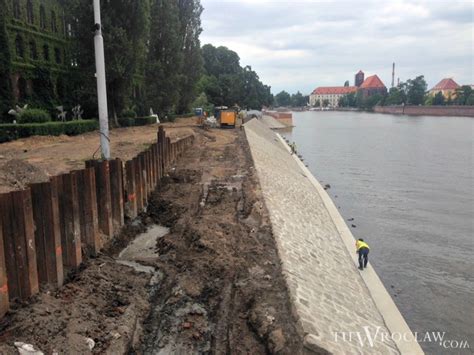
{"type": "Point", "coordinates": [225, 116]}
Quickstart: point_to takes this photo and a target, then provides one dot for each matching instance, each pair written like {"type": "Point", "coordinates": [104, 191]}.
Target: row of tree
{"type": "Point", "coordinates": [153, 59]}
{"type": "Point", "coordinates": [226, 83]}
{"type": "Point", "coordinates": [284, 99]}
{"type": "Point", "coordinates": [152, 52]}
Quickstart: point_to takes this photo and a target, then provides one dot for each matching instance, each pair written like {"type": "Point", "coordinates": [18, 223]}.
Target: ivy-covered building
{"type": "Point", "coordinates": [38, 45]}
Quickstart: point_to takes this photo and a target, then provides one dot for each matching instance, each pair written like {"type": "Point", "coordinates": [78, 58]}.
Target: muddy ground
{"type": "Point", "coordinates": [217, 287]}
{"type": "Point", "coordinates": [35, 159]}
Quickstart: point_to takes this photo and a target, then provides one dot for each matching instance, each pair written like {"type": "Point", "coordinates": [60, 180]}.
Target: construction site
{"type": "Point", "coordinates": [210, 283]}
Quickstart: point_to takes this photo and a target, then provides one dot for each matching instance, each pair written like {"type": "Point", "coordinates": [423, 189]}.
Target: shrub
{"type": "Point", "coordinates": [34, 115]}
{"type": "Point", "coordinates": [143, 121]}
{"type": "Point", "coordinates": [9, 132]}
{"type": "Point", "coordinates": [126, 122]}
{"type": "Point", "coordinates": [128, 113]}
{"type": "Point", "coordinates": [173, 117]}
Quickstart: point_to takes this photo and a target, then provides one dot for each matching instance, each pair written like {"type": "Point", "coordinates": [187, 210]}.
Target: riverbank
{"type": "Point", "coordinates": [316, 246]}
{"type": "Point", "coordinates": [456, 111]}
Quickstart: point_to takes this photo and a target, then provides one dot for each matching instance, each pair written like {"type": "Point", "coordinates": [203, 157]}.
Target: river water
{"type": "Point", "coordinates": [408, 183]}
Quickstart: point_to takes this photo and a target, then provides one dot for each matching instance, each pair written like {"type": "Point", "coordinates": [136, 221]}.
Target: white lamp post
{"type": "Point", "coordinates": [101, 86]}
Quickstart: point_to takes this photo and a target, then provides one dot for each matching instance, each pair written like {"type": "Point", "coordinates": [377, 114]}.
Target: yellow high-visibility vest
{"type": "Point", "coordinates": [360, 244]}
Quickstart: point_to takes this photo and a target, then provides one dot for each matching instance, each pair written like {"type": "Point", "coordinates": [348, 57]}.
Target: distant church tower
{"type": "Point", "coordinates": [359, 78]}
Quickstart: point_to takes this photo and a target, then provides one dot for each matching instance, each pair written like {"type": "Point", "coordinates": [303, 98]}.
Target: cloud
{"type": "Point", "coordinates": [299, 45]}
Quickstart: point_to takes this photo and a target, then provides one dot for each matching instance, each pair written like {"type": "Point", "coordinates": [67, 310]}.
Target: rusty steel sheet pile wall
{"type": "Point", "coordinates": [47, 229]}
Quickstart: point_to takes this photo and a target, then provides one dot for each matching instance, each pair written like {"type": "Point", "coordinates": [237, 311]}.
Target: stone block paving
{"type": "Point", "coordinates": [326, 289]}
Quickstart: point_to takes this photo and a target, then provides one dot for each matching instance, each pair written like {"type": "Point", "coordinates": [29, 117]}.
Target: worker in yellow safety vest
{"type": "Point", "coordinates": [362, 248]}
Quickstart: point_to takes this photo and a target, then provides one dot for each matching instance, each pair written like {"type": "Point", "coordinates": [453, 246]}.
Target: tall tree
{"type": "Point", "coordinates": [416, 89]}
{"type": "Point", "coordinates": [190, 29]}
{"type": "Point", "coordinates": [226, 83]}
{"type": "Point", "coordinates": [165, 57]}
{"type": "Point", "coordinates": [6, 97]}
{"type": "Point", "coordinates": [283, 99]}
{"type": "Point", "coordinates": [125, 29]}
{"type": "Point", "coordinates": [438, 99]}
{"type": "Point", "coordinates": [298, 100]}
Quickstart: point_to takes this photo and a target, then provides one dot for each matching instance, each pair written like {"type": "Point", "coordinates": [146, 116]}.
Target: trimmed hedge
{"type": "Point", "coordinates": [10, 132]}
{"type": "Point", "coordinates": [137, 121]}
{"type": "Point", "coordinates": [34, 115]}
{"type": "Point", "coordinates": [184, 115]}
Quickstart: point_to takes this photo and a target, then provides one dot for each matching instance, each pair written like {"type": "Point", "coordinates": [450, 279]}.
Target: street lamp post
{"type": "Point", "coordinates": [101, 85]}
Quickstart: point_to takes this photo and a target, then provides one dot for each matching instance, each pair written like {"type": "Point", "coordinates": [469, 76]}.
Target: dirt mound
{"type": "Point", "coordinates": [17, 174]}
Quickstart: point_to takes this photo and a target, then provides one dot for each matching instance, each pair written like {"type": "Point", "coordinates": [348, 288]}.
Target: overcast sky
{"type": "Point", "coordinates": [299, 45]}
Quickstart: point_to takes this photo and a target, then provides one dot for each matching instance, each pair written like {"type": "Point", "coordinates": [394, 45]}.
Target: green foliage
{"type": "Point", "coordinates": [6, 97]}
{"type": "Point", "coordinates": [143, 121]}
{"type": "Point", "coordinates": [438, 99]}
{"type": "Point", "coordinates": [317, 103]}
{"type": "Point", "coordinates": [283, 99]}
{"type": "Point", "coordinates": [325, 103]}
{"type": "Point", "coordinates": [165, 57]}
{"type": "Point", "coordinates": [202, 102]}
{"type": "Point", "coordinates": [34, 115]}
{"type": "Point", "coordinates": [346, 83]}
{"type": "Point", "coordinates": [128, 113]}
{"type": "Point", "coordinates": [415, 90]}
{"type": "Point", "coordinates": [225, 82]}
{"type": "Point", "coordinates": [190, 29]}
{"type": "Point", "coordinates": [136, 121]}
{"type": "Point", "coordinates": [298, 100]}
{"type": "Point", "coordinates": [396, 96]}
{"type": "Point", "coordinates": [9, 132]}
{"type": "Point", "coordinates": [368, 103]}
{"type": "Point", "coordinates": [348, 100]}
{"type": "Point", "coordinates": [470, 100]}
{"type": "Point", "coordinates": [43, 88]}
{"type": "Point", "coordinates": [463, 94]}
{"type": "Point", "coordinates": [126, 31]}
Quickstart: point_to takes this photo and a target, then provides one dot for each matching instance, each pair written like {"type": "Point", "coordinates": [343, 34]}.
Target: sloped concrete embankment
{"type": "Point", "coordinates": [337, 309]}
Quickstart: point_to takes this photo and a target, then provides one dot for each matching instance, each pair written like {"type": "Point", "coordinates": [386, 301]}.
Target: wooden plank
{"type": "Point", "coordinates": [168, 152]}
{"type": "Point", "coordinates": [130, 190]}
{"type": "Point", "coordinates": [104, 204]}
{"type": "Point", "coordinates": [154, 165]}
{"type": "Point", "coordinates": [25, 253]}
{"type": "Point", "coordinates": [4, 300]}
{"type": "Point", "coordinates": [47, 233]}
{"type": "Point", "coordinates": [138, 184]}
{"type": "Point", "coordinates": [70, 220]}
{"type": "Point", "coordinates": [143, 175]}
{"type": "Point", "coordinates": [149, 174]}
{"type": "Point", "coordinates": [88, 214]}
{"type": "Point", "coordinates": [116, 189]}
{"type": "Point", "coordinates": [9, 245]}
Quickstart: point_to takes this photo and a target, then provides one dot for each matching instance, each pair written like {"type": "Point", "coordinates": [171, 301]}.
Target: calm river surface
{"type": "Point", "coordinates": [408, 183]}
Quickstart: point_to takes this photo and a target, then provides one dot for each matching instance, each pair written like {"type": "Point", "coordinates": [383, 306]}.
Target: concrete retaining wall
{"type": "Point", "coordinates": [330, 297]}
{"type": "Point", "coordinates": [427, 110]}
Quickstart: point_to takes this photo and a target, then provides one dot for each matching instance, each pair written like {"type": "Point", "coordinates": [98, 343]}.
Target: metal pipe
{"type": "Point", "coordinates": [101, 84]}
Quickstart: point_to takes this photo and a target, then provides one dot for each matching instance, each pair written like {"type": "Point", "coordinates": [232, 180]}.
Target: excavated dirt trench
{"type": "Point", "coordinates": [221, 289]}
{"type": "Point", "coordinates": [216, 288]}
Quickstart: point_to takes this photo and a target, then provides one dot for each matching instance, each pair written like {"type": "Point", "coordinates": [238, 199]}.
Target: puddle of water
{"type": "Point", "coordinates": [143, 247]}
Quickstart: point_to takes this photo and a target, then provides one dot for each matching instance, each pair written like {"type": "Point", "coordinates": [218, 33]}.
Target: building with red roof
{"type": "Point", "coordinates": [330, 93]}
{"type": "Point", "coordinates": [370, 86]}
{"type": "Point", "coordinates": [373, 86]}
{"type": "Point", "coordinates": [447, 87]}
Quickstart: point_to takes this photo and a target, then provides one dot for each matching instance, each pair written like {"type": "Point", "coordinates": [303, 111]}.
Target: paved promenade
{"type": "Point", "coordinates": [329, 296]}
